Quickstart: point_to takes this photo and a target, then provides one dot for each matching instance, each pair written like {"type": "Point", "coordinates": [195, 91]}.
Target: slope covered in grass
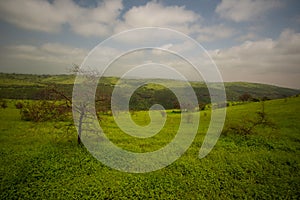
{"type": "Point", "coordinates": [27, 86]}
{"type": "Point", "coordinates": [42, 160]}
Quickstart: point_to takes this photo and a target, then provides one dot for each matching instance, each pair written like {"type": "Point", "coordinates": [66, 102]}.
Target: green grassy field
{"type": "Point", "coordinates": [43, 161]}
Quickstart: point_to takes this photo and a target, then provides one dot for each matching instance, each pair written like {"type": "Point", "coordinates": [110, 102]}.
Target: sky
{"type": "Point", "coordinates": [249, 40]}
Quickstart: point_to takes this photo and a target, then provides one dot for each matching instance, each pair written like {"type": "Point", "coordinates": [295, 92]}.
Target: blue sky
{"type": "Point", "coordinates": [249, 40]}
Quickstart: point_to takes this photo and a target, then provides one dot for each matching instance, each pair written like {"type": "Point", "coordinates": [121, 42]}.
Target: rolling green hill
{"type": "Point", "coordinates": [235, 89]}
{"type": "Point", "coordinates": [26, 86]}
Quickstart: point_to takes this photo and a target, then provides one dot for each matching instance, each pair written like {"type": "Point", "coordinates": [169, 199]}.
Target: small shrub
{"type": "Point", "coordinates": [3, 103]}
{"type": "Point", "coordinates": [176, 111]}
{"type": "Point", "coordinates": [245, 97]}
{"type": "Point", "coordinates": [39, 111]}
{"type": "Point", "coordinates": [19, 105]}
{"type": "Point", "coordinates": [202, 106]}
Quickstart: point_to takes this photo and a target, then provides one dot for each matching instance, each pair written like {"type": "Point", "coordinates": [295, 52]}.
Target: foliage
{"type": "Point", "coordinates": [19, 105]}
{"type": "Point", "coordinates": [245, 97]}
{"type": "Point", "coordinates": [3, 103]}
{"type": "Point", "coordinates": [40, 111]}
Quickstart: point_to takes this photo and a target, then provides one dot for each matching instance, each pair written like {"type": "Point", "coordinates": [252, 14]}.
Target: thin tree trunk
{"type": "Point", "coordinates": [80, 127]}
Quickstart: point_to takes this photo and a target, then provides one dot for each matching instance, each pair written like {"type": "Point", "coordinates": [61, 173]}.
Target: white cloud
{"type": "Point", "coordinates": [289, 42]}
{"type": "Point", "coordinates": [50, 17]}
{"type": "Point", "coordinates": [32, 15]}
{"type": "Point", "coordinates": [245, 10]}
{"type": "Point", "coordinates": [263, 60]}
{"type": "Point", "coordinates": [51, 55]}
{"type": "Point", "coordinates": [97, 21]}
{"type": "Point", "coordinates": [106, 18]}
{"type": "Point", "coordinates": [155, 14]}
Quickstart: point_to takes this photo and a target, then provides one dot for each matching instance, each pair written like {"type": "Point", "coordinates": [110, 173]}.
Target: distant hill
{"type": "Point", "coordinates": [258, 90]}
{"type": "Point", "coordinates": [25, 86]}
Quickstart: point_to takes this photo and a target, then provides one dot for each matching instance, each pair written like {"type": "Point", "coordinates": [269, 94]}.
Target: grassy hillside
{"type": "Point", "coordinates": [22, 86]}
{"type": "Point", "coordinates": [43, 161]}
{"type": "Point", "coordinates": [235, 89]}
{"type": "Point", "coordinates": [33, 79]}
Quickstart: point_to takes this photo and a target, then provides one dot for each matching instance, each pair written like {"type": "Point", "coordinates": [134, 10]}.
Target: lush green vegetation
{"type": "Point", "coordinates": [22, 86]}
{"type": "Point", "coordinates": [42, 160]}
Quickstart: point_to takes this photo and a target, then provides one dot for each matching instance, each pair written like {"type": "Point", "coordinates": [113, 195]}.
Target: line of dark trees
{"type": "Point", "coordinates": [142, 99]}
{"type": "Point", "coordinates": [248, 97]}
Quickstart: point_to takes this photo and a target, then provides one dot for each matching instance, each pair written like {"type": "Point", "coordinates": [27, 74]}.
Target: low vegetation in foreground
{"type": "Point", "coordinates": [42, 160]}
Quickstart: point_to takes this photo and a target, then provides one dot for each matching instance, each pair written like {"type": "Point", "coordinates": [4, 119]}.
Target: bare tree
{"type": "Point", "coordinates": [55, 98]}
{"type": "Point", "coordinates": [248, 125]}
{"type": "Point", "coordinates": [83, 110]}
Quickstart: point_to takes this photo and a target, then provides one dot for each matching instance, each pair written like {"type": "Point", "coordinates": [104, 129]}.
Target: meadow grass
{"type": "Point", "coordinates": [43, 161]}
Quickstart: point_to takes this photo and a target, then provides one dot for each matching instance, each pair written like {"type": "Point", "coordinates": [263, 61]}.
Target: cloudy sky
{"type": "Point", "coordinates": [249, 40]}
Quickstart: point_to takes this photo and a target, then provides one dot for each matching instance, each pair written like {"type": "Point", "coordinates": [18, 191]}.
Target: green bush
{"type": "Point", "coordinates": [19, 105]}
{"type": "Point", "coordinates": [39, 111]}
{"type": "Point", "coordinates": [3, 103]}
